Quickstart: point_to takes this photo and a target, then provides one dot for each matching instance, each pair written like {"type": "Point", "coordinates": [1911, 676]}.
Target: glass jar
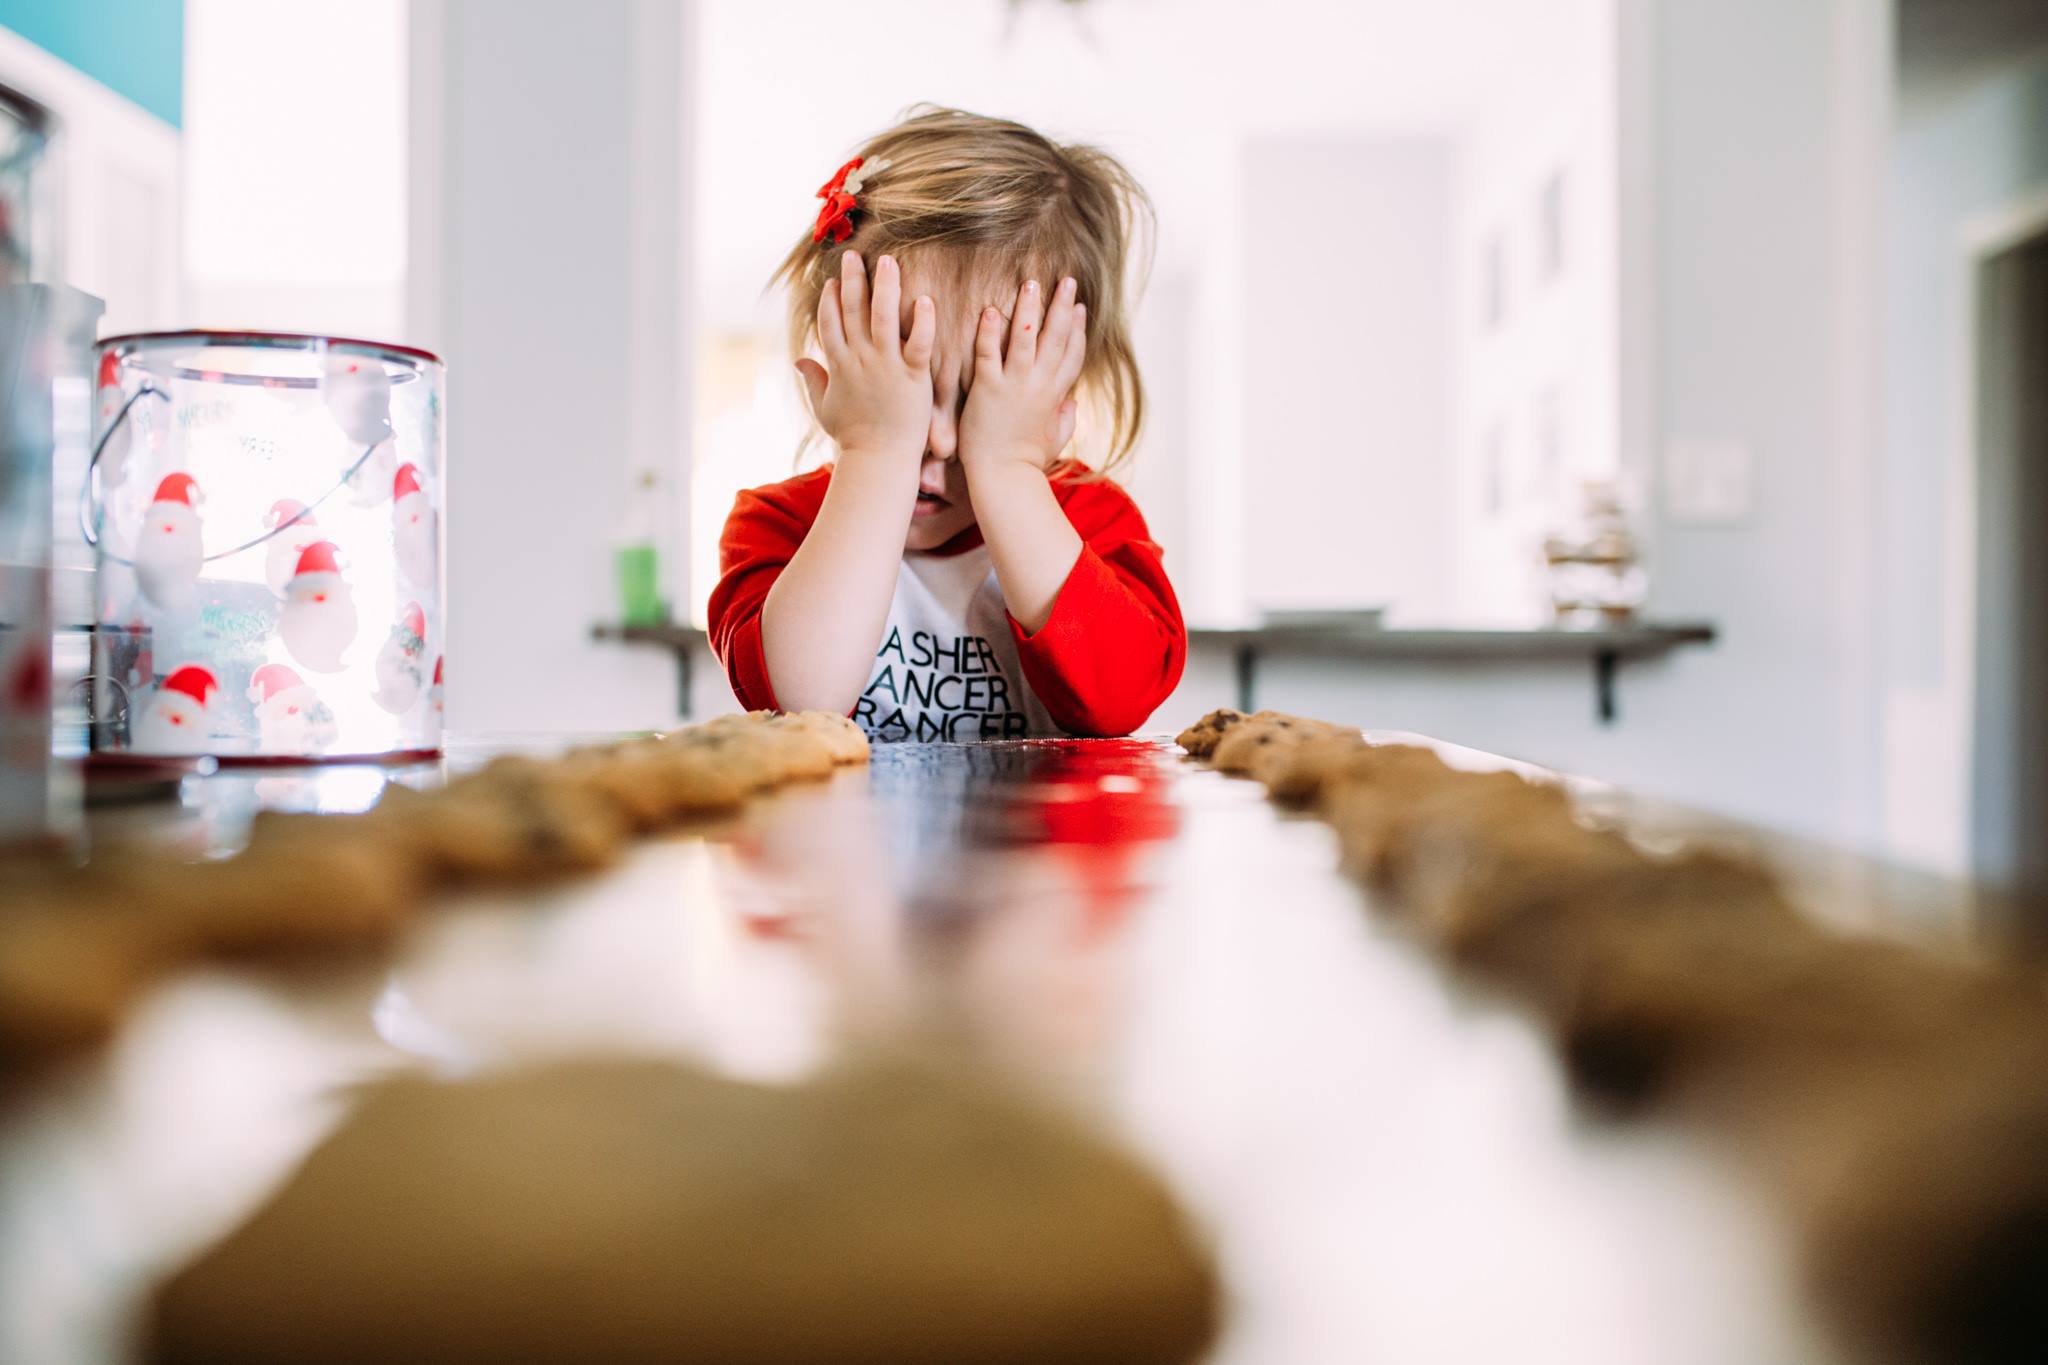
{"type": "Point", "coordinates": [265, 513]}
{"type": "Point", "coordinates": [24, 133]}
{"type": "Point", "coordinates": [45, 355]}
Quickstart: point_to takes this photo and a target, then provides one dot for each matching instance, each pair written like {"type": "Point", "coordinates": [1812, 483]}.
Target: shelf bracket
{"type": "Point", "coordinates": [1606, 663]}
{"type": "Point", "coordinates": [1247, 664]}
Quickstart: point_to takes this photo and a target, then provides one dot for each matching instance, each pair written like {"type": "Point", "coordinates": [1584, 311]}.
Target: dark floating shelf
{"type": "Point", "coordinates": [1604, 646]}
{"type": "Point", "coordinates": [683, 641]}
{"type": "Point", "coordinates": [669, 635]}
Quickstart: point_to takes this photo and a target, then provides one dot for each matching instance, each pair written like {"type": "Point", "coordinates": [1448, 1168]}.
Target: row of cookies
{"type": "Point", "coordinates": [78, 942]}
{"type": "Point", "coordinates": [1896, 1102]}
{"type": "Point", "coordinates": [901, 1205]}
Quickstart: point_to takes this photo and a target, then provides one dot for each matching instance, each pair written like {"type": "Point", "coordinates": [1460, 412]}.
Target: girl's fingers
{"type": "Point", "coordinates": [885, 312]}
{"type": "Point", "coordinates": [853, 297]}
{"type": "Point", "coordinates": [1059, 323]}
{"type": "Point", "coordinates": [988, 342]}
{"type": "Point", "coordinates": [1076, 353]}
{"type": "Point", "coordinates": [924, 327]}
{"type": "Point", "coordinates": [831, 330]}
{"type": "Point", "coordinates": [1024, 324]}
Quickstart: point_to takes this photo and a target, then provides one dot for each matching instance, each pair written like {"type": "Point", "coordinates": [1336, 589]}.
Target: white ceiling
{"type": "Point", "coordinates": [787, 86]}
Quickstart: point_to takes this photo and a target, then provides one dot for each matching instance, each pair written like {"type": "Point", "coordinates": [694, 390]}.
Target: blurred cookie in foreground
{"type": "Point", "coordinates": [653, 785]}
{"type": "Point", "coordinates": [1386, 827]}
{"type": "Point", "coordinates": [1530, 906]}
{"type": "Point", "coordinates": [515, 820]}
{"type": "Point", "coordinates": [1309, 775]}
{"type": "Point", "coordinates": [634, 1211]}
{"type": "Point", "coordinates": [304, 885]}
{"type": "Point", "coordinates": [1922, 1203]}
{"type": "Point", "coordinates": [69, 970]}
{"type": "Point", "coordinates": [1253, 740]}
{"type": "Point", "coordinates": [1201, 738]}
{"type": "Point", "coordinates": [773, 753]}
{"type": "Point", "coordinates": [841, 737]}
{"type": "Point", "coordinates": [1743, 1018]}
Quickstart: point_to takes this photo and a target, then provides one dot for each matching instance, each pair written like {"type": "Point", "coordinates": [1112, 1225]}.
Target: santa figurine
{"type": "Point", "coordinates": [358, 393]}
{"type": "Point", "coordinates": [176, 719]}
{"type": "Point", "coordinates": [167, 552]}
{"type": "Point", "coordinates": [281, 554]}
{"type": "Point", "coordinates": [113, 464]}
{"type": "Point", "coordinates": [401, 663]}
{"type": "Point", "coordinates": [415, 531]}
{"type": "Point", "coordinates": [318, 621]}
{"type": "Point", "coordinates": [290, 717]}
{"type": "Point", "coordinates": [434, 691]}
{"type": "Point", "coordinates": [26, 673]}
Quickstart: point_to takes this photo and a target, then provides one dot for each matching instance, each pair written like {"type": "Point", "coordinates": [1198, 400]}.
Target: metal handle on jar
{"type": "Point", "coordinates": [90, 510]}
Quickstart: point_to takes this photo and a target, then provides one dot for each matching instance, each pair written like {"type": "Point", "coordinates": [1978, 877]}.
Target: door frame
{"type": "Point", "coordinates": [1982, 238]}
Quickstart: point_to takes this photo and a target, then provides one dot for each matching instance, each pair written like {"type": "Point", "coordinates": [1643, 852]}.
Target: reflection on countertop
{"type": "Point", "coordinates": [1388, 1164]}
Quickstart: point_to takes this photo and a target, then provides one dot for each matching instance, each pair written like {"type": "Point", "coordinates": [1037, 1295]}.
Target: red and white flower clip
{"type": "Point", "coordinates": [840, 193]}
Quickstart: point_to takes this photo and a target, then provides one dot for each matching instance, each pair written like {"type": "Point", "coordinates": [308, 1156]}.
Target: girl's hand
{"type": "Point", "coordinates": [1020, 408]}
{"type": "Point", "coordinates": [873, 394]}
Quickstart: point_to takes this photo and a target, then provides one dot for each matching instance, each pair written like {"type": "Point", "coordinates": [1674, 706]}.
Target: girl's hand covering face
{"type": "Point", "coordinates": [1020, 408]}
{"type": "Point", "coordinates": [873, 394]}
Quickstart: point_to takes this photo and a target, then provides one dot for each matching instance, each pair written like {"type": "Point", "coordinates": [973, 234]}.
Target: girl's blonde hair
{"type": "Point", "coordinates": [979, 198]}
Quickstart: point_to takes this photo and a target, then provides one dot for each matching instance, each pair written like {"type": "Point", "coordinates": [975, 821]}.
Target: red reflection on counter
{"type": "Point", "coordinates": [1096, 805]}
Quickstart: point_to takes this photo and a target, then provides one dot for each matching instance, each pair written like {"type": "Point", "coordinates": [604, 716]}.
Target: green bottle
{"type": "Point", "coordinates": [636, 560]}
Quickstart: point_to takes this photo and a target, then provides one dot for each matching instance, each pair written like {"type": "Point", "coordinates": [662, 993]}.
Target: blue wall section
{"type": "Point", "coordinates": [134, 47]}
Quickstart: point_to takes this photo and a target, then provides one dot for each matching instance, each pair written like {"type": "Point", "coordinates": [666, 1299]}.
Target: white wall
{"type": "Point", "coordinates": [548, 240]}
{"type": "Point", "coordinates": [111, 176]}
{"type": "Point", "coordinates": [1748, 234]}
{"type": "Point", "coordinates": [112, 172]}
{"type": "Point", "coordinates": [1180, 89]}
{"type": "Point", "coordinates": [1538, 398]}
{"type": "Point", "coordinates": [1347, 380]}
{"type": "Point", "coordinates": [1963, 163]}
{"type": "Point", "coordinates": [295, 166]}
{"type": "Point", "coordinates": [1765, 224]}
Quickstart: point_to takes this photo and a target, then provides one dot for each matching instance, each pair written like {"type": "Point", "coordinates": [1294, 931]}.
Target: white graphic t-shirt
{"type": "Point", "coordinates": [947, 670]}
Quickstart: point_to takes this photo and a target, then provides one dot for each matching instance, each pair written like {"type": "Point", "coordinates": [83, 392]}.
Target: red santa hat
{"type": "Point", "coordinates": [286, 509]}
{"type": "Point", "coordinates": [414, 620]}
{"type": "Point", "coordinates": [110, 371]}
{"type": "Point", "coordinates": [318, 558]}
{"type": "Point", "coordinates": [177, 488]}
{"type": "Point", "coordinates": [271, 679]}
{"type": "Point", "coordinates": [194, 681]}
{"type": "Point", "coordinates": [406, 481]}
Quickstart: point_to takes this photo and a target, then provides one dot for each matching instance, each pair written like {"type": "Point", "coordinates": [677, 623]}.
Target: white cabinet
{"type": "Point", "coordinates": [111, 190]}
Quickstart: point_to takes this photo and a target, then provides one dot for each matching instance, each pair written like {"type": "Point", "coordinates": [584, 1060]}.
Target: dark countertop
{"type": "Point", "coordinates": [1387, 1162]}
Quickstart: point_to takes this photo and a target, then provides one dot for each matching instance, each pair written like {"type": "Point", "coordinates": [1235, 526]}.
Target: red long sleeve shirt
{"type": "Point", "coordinates": [953, 664]}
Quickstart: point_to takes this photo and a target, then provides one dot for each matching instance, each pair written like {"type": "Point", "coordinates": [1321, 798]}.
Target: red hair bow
{"type": "Point", "coordinates": [835, 219]}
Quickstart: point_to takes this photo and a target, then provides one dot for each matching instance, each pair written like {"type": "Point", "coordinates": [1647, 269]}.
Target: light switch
{"type": "Point", "coordinates": [1709, 483]}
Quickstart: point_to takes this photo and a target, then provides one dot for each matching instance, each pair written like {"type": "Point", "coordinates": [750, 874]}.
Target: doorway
{"type": "Point", "coordinates": [2009, 796]}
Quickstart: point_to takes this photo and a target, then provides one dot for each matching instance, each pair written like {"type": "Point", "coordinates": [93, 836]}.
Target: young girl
{"type": "Point", "coordinates": [952, 574]}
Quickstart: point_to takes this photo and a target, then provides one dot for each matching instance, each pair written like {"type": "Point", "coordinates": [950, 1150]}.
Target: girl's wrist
{"type": "Point", "coordinates": [1018, 467]}
{"type": "Point", "coordinates": [879, 461]}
